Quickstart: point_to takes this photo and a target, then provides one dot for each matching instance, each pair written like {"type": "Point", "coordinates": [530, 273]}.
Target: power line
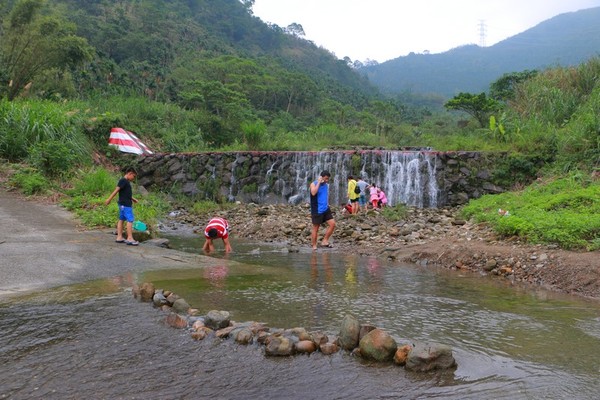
{"type": "Point", "coordinates": [482, 32]}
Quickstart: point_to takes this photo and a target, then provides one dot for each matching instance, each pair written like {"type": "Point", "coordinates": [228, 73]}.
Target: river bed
{"type": "Point", "coordinates": [94, 340]}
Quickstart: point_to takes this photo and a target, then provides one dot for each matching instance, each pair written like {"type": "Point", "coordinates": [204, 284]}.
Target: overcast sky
{"type": "Point", "coordinates": [385, 29]}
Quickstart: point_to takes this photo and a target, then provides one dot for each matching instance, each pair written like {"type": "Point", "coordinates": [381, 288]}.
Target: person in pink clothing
{"type": "Point", "coordinates": [374, 196]}
{"type": "Point", "coordinates": [382, 199]}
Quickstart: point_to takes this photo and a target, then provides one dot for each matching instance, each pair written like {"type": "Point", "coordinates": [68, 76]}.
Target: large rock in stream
{"type": "Point", "coordinates": [429, 356]}
{"type": "Point", "coordinates": [349, 333]}
{"type": "Point", "coordinates": [217, 319]}
{"type": "Point", "coordinates": [378, 345]}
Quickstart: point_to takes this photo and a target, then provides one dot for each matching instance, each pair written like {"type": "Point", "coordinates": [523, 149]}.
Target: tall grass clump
{"type": "Point", "coordinates": [163, 127]}
{"type": "Point", "coordinates": [563, 211]}
{"type": "Point", "coordinates": [557, 115]}
{"type": "Point", "coordinates": [43, 133]}
{"type": "Point", "coordinates": [553, 95]}
{"type": "Point", "coordinates": [580, 140]}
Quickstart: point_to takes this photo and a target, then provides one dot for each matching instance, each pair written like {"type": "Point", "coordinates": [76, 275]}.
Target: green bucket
{"type": "Point", "coordinates": [139, 226]}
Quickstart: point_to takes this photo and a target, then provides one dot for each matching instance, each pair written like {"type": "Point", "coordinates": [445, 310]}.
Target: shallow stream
{"type": "Point", "coordinates": [93, 340]}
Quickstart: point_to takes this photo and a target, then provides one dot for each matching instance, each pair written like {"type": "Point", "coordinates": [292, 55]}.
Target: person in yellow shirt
{"type": "Point", "coordinates": [352, 194]}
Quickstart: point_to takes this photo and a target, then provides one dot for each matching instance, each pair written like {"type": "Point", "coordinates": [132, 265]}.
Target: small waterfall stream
{"type": "Point", "coordinates": [406, 177]}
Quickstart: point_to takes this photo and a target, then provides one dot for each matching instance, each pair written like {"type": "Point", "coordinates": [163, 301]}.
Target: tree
{"type": "Point", "coordinates": [503, 89]}
{"type": "Point", "coordinates": [295, 29]}
{"type": "Point", "coordinates": [478, 106]}
{"type": "Point", "coordinates": [32, 44]}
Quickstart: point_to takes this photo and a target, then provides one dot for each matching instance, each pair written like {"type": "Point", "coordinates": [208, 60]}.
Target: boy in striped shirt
{"type": "Point", "coordinates": [216, 228]}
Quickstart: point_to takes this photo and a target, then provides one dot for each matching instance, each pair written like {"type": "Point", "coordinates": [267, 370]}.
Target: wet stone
{"type": "Point", "coordinates": [306, 346]}
{"type": "Point", "coordinates": [243, 336]}
{"type": "Point", "coordinates": [176, 321]}
{"type": "Point", "coordinates": [159, 299]}
{"type": "Point", "coordinates": [378, 345]}
{"type": "Point", "coordinates": [365, 329]}
{"type": "Point", "coordinates": [181, 306]}
{"type": "Point", "coordinates": [349, 332]}
{"type": "Point", "coordinates": [146, 292]}
{"type": "Point", "coordinates": [328, 348]}
{"type": "Point", "coordinates": [402, 354]}
{"type": "Point", "coordinates": [430, 356]}
{"type": "Point", "coordinates": [279, 346]}
{"type": "Point", "coordinates": [217, 319]}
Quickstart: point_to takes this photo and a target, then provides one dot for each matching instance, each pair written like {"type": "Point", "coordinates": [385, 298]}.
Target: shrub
{"type": "Point", "coordinates": [29, 181]}
{"type": "Point", "coordinates": [395, 213]}
{"type": "Point", "coordinates": [52, 157]}
{"type": "Point", "coordinates": [516, 169]}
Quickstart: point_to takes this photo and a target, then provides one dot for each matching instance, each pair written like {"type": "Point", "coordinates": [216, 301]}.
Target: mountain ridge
{"type": "Point", "coordinates": [564, 40]}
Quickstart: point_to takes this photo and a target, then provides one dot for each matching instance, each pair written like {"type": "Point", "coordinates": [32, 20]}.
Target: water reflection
{"type": "Point", "coordinates": [216, 275]}
{"type": "Point", "coordinates": [350, 275]}
{"type": "Point", "coordinates": [321, 271]}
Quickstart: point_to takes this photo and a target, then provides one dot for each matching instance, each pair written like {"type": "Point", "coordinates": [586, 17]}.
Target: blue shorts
{"type": "Point", "coordinates": [126, 214]}
{"type": "Point", "coordinates": [362, 200]}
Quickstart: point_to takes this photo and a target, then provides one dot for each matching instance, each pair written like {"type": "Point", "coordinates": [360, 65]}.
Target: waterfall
{"type": "Point", "coordinates": [406, 177]}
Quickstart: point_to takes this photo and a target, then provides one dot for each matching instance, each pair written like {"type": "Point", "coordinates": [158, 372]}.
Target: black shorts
{"type": "Point", "coordinates": [353, 200]}
{"type": "Point", "coordinates": [319, 219]}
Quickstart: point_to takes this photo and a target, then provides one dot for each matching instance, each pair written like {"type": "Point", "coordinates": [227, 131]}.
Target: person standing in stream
{"type": "Point", "coordinates": [217, 228]}
{"type": "Point", "coordinates": [320, 211]}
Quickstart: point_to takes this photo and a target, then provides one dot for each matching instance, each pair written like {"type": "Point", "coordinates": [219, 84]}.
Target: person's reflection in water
{"type": "Point", "coordinates": [373, 265]}
{"type": "Point", "coordinates": [375, 278]}
{"type": "Point", "coordinates": [216, 275]}
{"type": "Point", "coordinates": [314, 268]}
{"type": "Point", "coordinates": [350, 275]}
{"type": "Point", "coordinates": [320, 265]}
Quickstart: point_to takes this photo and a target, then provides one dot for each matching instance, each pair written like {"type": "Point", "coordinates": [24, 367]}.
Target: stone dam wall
{"type": "Point", "coordinates": [424, 179]}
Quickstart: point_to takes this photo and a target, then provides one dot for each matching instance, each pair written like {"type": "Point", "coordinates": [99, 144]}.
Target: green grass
{"type": "Point", "coordinates": [395, 213]}
{"type": "Point", "coordinates": [208, 207]}
{"type": "Point", "coordinates": [91, 189]}
{"type": "Point", "coordinates": [564, 211]}
{"type": "Point", "coordinates": [29, 181]}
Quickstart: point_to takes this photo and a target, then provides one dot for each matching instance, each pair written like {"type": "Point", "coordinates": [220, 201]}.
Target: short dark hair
{"type": "Point", "coordinates": [350, 177]}
{"type": "Point", "coordinates": [130, 169]}
{"type": "Point", "coordinates": [325, 173]}
{"type": "Point", "coordinates": [212, 233]}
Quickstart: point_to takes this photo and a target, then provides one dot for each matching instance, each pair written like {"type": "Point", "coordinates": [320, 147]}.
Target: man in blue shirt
{"type": "Point", "coordinates": [320, 211]}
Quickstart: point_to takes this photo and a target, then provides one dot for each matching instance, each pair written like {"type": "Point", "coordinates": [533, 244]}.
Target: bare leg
{"type": "Point", "coordinates": [119, 230]}
{"type": "Point", "coordinates": [313, 236]}
{"type": "Point", "coordinates": [328, 232]}
{"type": "Point", "coordinates": [129, 232]}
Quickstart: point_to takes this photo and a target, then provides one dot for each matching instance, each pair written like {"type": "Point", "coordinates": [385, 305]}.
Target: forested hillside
{"type": "Point", "coordinates": [566, 40]}
{"type": "Point", "coordinates": [197, 75]}
{"type": "Point", "coordinates": [227, 73]}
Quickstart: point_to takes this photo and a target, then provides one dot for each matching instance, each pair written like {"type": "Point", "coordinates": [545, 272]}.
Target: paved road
{"type": "Point", "coordinates": [42, 246]}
